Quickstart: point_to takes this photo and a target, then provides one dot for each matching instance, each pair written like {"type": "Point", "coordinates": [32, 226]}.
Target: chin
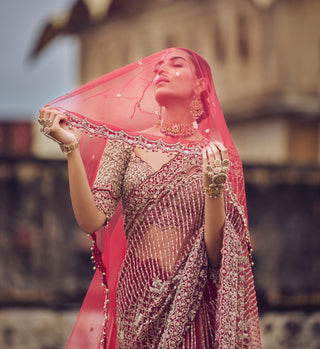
{"type": "Point", "coordinates": [165, 97]}
{"type": "Point", "coordinates": [162, 97]}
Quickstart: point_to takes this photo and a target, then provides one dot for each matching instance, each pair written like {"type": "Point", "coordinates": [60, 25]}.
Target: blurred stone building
{"type": "Point", "coordinates": [265, 56]}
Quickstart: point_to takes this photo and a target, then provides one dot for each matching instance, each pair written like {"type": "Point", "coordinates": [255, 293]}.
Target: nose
{"type": "Point", "coordinates": [162, 69]}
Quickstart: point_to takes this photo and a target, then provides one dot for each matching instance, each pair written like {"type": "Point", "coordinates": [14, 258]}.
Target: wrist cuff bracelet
{"type": "Point", "coordinates": [68, 148]}
{"type": "Point", "coordinates": [214, 191]}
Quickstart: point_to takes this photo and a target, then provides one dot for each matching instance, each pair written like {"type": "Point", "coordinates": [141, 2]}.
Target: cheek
{"type": "Point", "coordinates": [184, 77]}
{"type": "Point", "coordinates": [185, 83]}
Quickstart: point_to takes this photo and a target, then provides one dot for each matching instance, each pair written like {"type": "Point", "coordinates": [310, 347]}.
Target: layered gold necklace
{"type": "Point", "coordinates": [177, 130]}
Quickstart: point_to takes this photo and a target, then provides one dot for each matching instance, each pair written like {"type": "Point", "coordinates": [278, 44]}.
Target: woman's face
{"type": "Point", "coordinates": [175, 78]}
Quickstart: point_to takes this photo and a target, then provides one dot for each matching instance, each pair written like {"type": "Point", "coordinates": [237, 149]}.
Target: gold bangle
{"type": "Point", "coordinates": [68, 148]}
{"type": "Point", "coordinates": [214, 191]}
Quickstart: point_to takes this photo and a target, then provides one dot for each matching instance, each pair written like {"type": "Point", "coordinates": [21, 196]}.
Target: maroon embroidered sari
{"type": "Point", "coordinates": [153, 287]}
{"type": "Point", "coordinates": [167, 293]}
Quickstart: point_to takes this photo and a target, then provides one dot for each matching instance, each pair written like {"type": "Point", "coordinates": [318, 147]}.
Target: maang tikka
{"type": "Point", "coordinates": [196, 107]}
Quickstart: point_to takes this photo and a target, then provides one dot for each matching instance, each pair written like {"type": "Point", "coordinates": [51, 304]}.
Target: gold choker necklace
{"type": "Point", "coordinates": [177, 130]}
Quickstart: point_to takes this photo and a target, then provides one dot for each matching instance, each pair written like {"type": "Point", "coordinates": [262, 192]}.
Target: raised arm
{"type": "Point", "coordinates": [88, 216]}
{"type": "Point", "coordinates": [215, 162]}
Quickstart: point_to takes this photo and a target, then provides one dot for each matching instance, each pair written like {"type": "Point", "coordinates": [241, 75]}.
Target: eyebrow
{"type": "Point", "coordinates": [170, 59]}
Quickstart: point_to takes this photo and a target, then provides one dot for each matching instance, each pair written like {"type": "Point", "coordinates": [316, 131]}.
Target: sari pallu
{"type": "Point", "coordinates": [167, 296]}
{"type": "Point", "coordinates": [161, 253]}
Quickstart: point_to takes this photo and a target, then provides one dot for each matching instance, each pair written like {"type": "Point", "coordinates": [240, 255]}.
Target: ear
{"type": "Point", "coordinates": [201, 85]}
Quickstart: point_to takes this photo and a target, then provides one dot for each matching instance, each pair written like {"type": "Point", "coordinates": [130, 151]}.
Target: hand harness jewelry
{"type": "Point", "coordinates": [46, 129]}
{"type": "Point", "coordinates": [218, 175]}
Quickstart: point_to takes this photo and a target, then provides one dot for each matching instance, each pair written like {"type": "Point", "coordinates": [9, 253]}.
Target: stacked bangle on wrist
{"type": "Point", "coordinates": [68, 148]}
{"type": "Point", "coordinates": [45, 129]}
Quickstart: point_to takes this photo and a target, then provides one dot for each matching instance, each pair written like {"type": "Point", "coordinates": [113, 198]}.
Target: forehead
{"type": "Point", "coordinates": [175, 55]}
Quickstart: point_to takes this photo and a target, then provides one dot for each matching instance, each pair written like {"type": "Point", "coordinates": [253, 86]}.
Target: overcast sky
{"type": "Point", "coordinates": [25, 86]}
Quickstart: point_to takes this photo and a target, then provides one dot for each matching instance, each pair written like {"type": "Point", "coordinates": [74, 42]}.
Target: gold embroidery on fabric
{"type": "Point", "coordinates": [166, 289]}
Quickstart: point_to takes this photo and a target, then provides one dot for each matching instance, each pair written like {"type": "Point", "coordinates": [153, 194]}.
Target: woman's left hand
{"type": "Point", "coordinates": [215, 169]}
{"type": "Point", "coordinates": [214, 155]}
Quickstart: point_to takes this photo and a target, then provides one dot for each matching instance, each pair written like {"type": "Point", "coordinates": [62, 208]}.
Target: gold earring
{"type": "Point", "coordinates": [196, 107]}
{"type": "Point", "coordinates": [159, 113]}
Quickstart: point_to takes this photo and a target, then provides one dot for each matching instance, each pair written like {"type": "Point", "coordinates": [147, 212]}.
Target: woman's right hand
{"type": "Point", "coordinates": [59, 129]}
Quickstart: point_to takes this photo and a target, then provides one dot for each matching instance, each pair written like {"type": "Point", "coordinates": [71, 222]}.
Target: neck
{"type": "Point", "coordinates": [177, 114]}
{"type": "Point", "coordinates": [177, 122]}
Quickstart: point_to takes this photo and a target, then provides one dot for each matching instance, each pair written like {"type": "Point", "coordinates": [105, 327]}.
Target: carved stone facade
{"type": "Point", "coordinates": [265, 56]}
{"type": "Point", "coordinates": [264, 53]}
{"type": "Point", "coordinates": [265, 59]}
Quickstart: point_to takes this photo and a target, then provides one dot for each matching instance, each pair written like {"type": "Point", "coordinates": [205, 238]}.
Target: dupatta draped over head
{"type": "Point", "coordinates": [119, 106]}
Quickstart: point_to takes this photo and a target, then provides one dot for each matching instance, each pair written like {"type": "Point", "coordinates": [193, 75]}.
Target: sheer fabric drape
{"type": "Point", "coordinates": [113, 111]}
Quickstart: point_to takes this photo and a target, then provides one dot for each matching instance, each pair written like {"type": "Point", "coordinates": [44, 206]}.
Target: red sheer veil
{"type": "Point", "coordinates": [120, 106]}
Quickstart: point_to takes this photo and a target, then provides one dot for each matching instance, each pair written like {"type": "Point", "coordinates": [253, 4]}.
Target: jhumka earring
{"type": "Point", "coordinates": [196, 108]}
{"type": "Point", "coordinates": [159, 113]}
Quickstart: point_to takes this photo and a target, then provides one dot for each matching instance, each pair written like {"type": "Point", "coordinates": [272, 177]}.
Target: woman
{"type": "Point", "coordinates": [174, 258]}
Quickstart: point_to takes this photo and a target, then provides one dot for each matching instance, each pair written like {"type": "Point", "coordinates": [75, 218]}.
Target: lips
{"type": "Point", "coordinates": [161, 80]}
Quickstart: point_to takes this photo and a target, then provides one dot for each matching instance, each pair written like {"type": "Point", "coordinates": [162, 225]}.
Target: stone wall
{"type": "Point", "coordinates": [43, 255]}
{"type": "Point", "coordinates": [284, 219]}
{"type": "Point", "coordinates": [35, 328]}
{"type": "Point", "coordinates": [45, 266]}
{"type": "Point", "coordinates": [290, 330]}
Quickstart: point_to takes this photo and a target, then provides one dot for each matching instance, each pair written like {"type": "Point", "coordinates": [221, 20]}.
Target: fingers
{"type": "Point", "coordinates": [205, 161]}
{"type": "Point", "coordinates": [215, 169]}
{"type": "Point", "coordinates": [223, 150]}
{"type": "Point", "coordinates": [215, 151]}
{"type": "Point", "coordinates": [49, 113]}
{"type": "Point", "coordinates": [53, 124]}
{"type": "Point", "coordinates": [215, 159]}
{"type": "Point", "coordinates": [51, 117]}
{"type": "Point", "coordinates": [45, 111]}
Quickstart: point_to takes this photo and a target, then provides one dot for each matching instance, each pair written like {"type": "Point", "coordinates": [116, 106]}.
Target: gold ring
{"type": "Point", "coordinates": [209, 168]}
{"type": "Point", "coordinates": [217, 162]}
{"type": "Point", "coordinates": [45, 130]}
{"type": "Point", "coordinates": [45, 122]}
{"type": "Point", "coordinates": [48, 123]}
{"type": "Point", "coordinates": [226, 162]}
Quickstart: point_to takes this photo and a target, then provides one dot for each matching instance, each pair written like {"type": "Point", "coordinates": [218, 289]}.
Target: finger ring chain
{"type": "Point", "coordinates": [45, 129]}
{"type": "Point", "coordinates": [218, 174]}
{"type": "Point", "coordinates": [46, 125]}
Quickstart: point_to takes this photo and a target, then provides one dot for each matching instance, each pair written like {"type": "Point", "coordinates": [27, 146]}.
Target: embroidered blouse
{"type": "Point", "coordinates": [167, 293]}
